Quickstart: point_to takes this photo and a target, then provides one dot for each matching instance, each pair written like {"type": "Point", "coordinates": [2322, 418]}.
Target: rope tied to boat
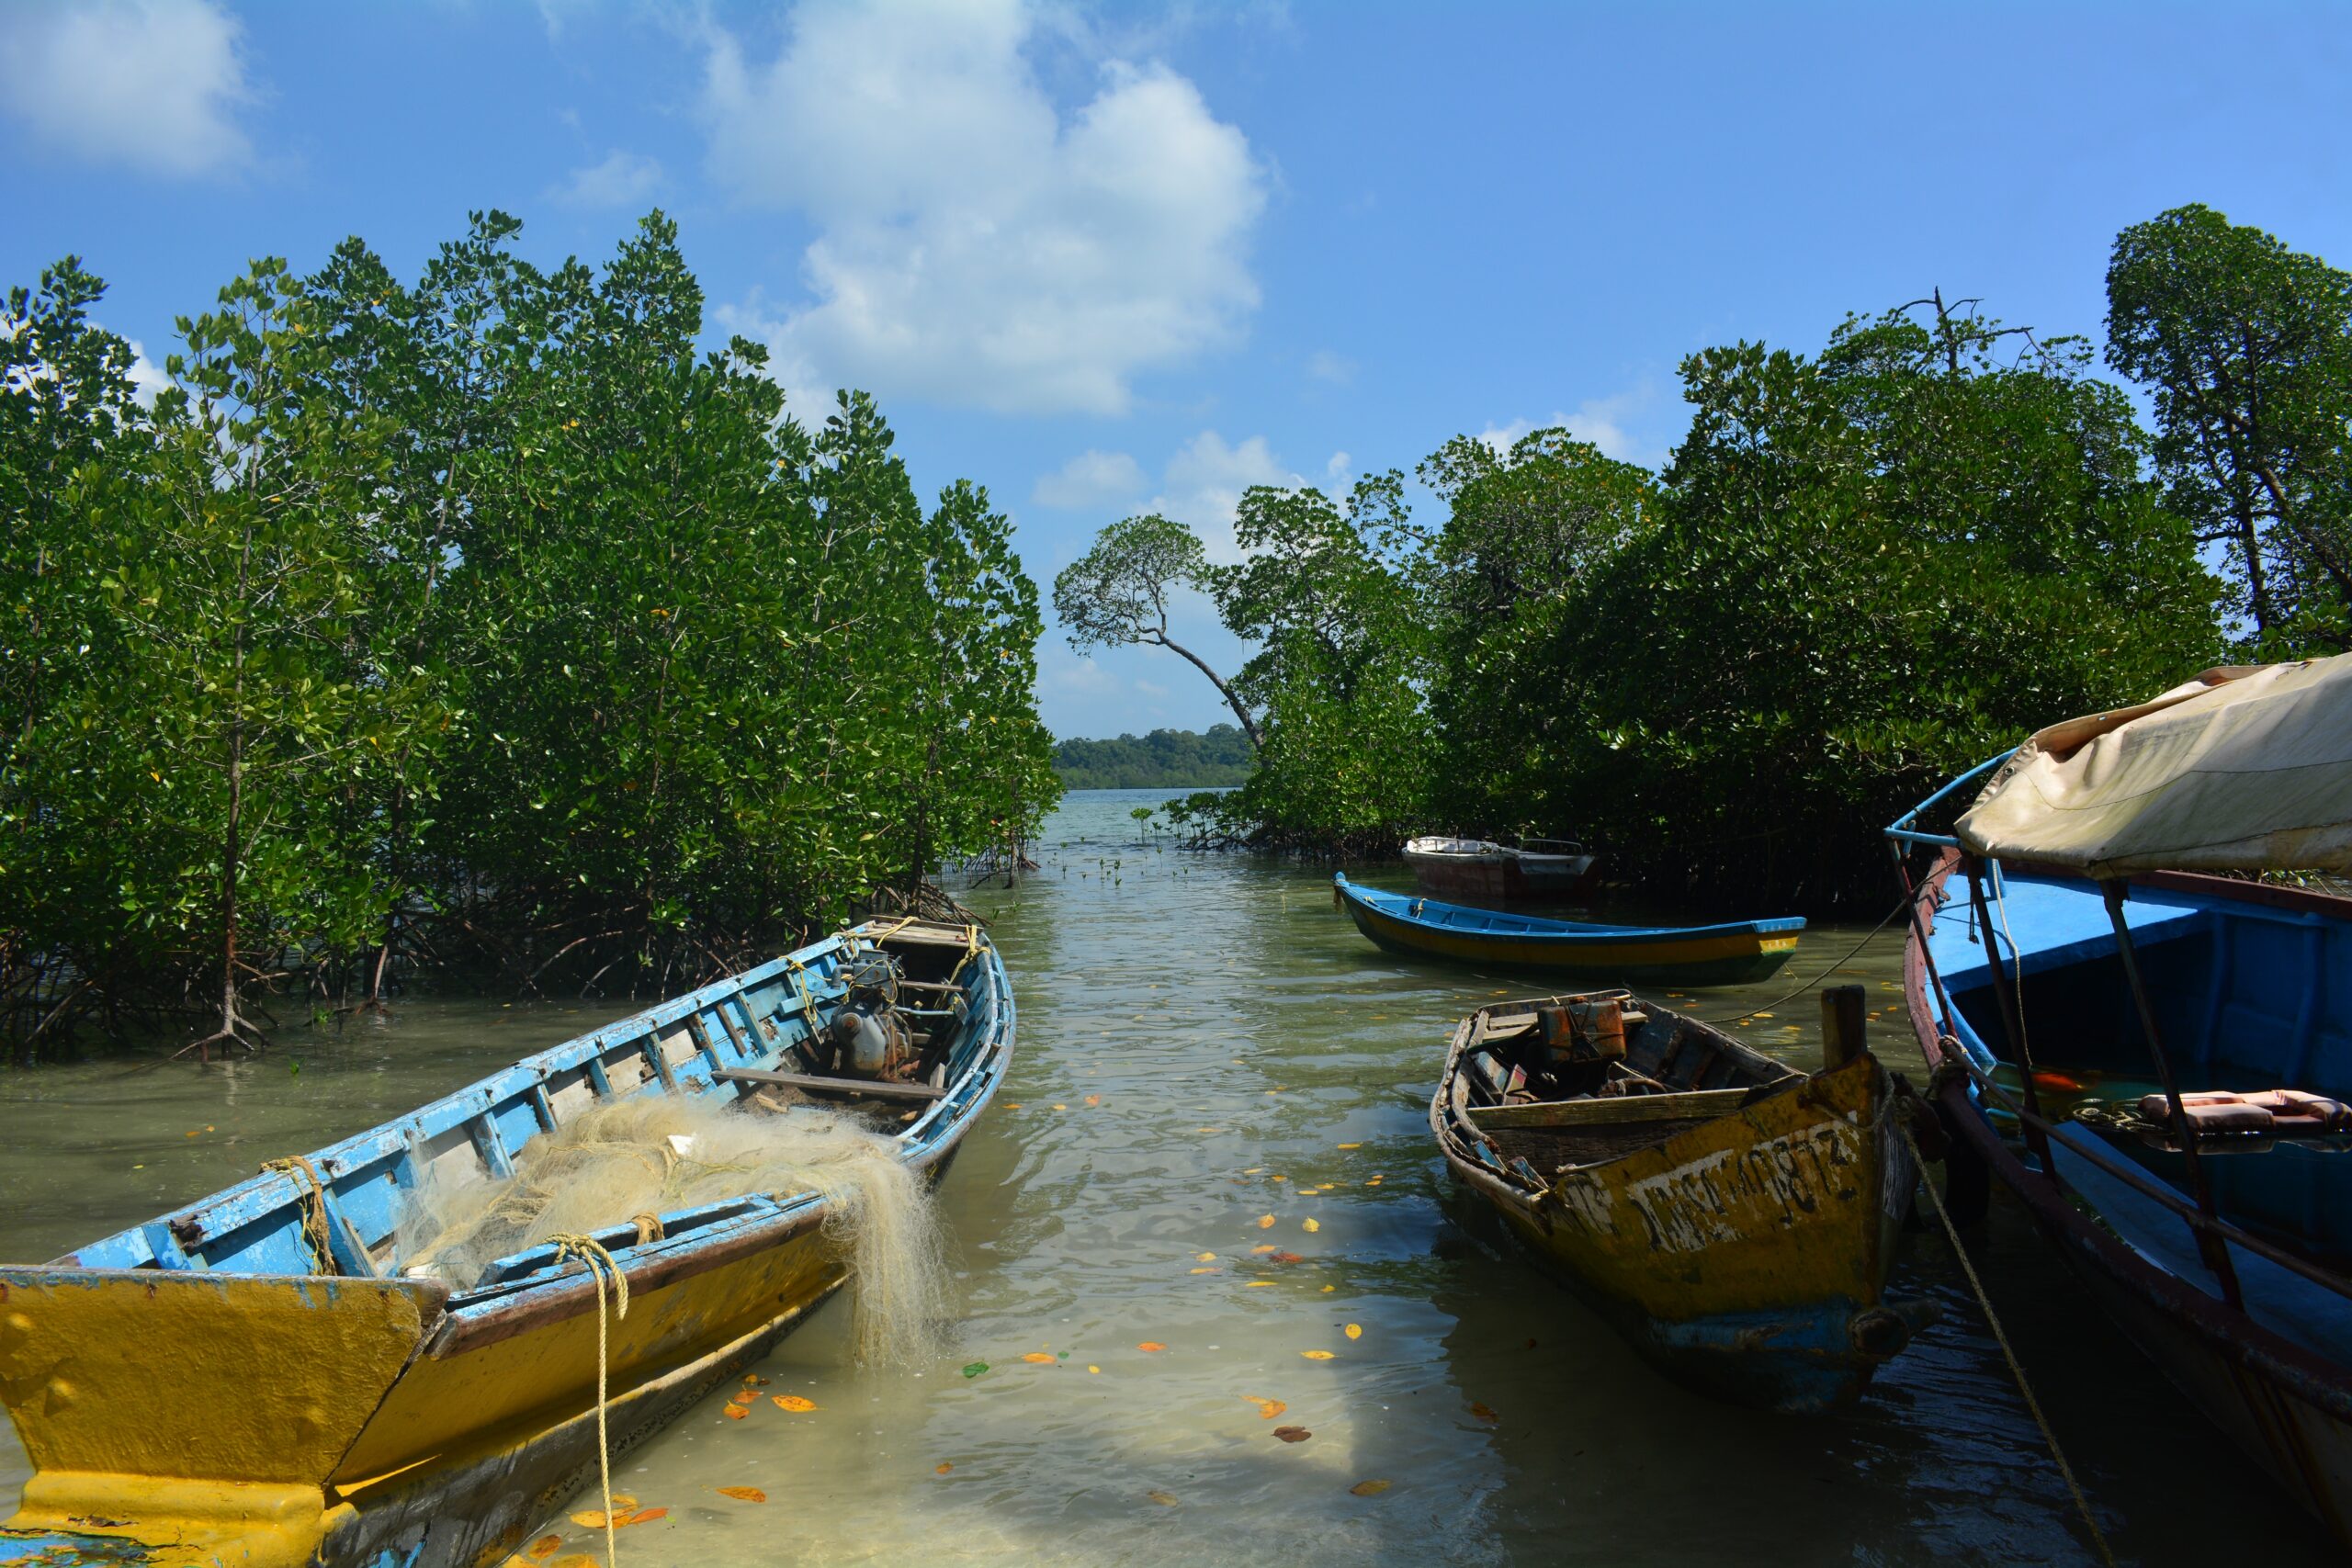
{"type": "Point", "coordinates": [1832, 969]}
{"type": "Point", "coordinates": [317, 1237]}
{"type": "Point", "coordinates": [1902, 1124]}
{"type": "Point", "coordinates": [591, 1252]}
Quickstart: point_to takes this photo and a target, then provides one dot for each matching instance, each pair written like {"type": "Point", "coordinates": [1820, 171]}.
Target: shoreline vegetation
{"type": "Point", "coordinates": [481, 626]}
{"type": "Point", "coordinates": [1861, 571]}
{"type": "Point", "coordinates": [1165, 759]}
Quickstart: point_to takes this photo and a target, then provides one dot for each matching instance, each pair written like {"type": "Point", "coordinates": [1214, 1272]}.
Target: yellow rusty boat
{"type": "Point", "coordinates": [258, 1379]}
{"type": "Point", "coordinates": [1732, 1218]}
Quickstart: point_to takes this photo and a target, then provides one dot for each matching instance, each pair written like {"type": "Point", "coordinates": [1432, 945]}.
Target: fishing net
{"type": "Point", "coordinates": [649, 1155]}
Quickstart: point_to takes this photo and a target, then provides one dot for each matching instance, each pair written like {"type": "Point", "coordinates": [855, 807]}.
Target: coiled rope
{"type": "Point", "coordinates": [2000, 1337]}
{"type": "Point", "coordinates": [317, 1239]}
{"type": "Point", "coordinates": [590, 1251]}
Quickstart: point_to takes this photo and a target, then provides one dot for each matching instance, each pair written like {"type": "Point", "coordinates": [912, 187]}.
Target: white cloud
{"type": "Point", "coordinates": [1092, 478]}
{"type": "Point", "coordinates": [622, 178]}
{"type": "Point", "coordinates": [147, 378]}
{"type": "Point", "coordinates": [1203, 483]}
{"type": "Point", "coordinates": [1325, 365]}
{"type": "Point", "coordinates": [1600, 421]}
{"type": "Point", "coordinates": [153, 84]}
{"type": "Point", "coordinates": [975, 246]}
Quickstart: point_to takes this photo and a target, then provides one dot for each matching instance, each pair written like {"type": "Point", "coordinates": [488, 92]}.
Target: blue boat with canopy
{"type": "Point", "coordinates": [2131, 975]}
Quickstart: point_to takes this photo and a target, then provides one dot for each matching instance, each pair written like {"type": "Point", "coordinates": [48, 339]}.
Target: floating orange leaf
{"type": "Point", "coordinates": [1149, 1346]}
{"type": "Point", "coordinates": [735, 1413]}
{"type": "Point", "coordinates": [1288, 1257]}
{"type": "Point", "coordinates": [1482, 1413]}
{"type": "Point", "coordinates": [1262, 1248]}
{"type": "Point", "coordinates": [1093, 1100]}
{"type": "Point", "coordinates": [1269, 1408]}
{"type": "Point", "coordinates": [1293, 1434]}
{"type": "Point", "coordinates": [744, 1396]}
{"type": "Point", "coordinates": [792, 1402]}
{"type": "Point", "coordinates": [1265, 1221]}
{"type": "Point", "coordinates": [943, 1467]}
{"type": "Point", "coordinates": [1164, 1499]}
{"type": "Point", "coordinates": [546, 1546]}
{"type": "Point", "coordinates": [1038, 1358]}
{"type": "Point", "coordinates": [1317, 1355]}
{"type": "Point", "coordinates": [1354, 1331]}
{"type": "Point", "coordinates": [641, 1516]}
{"type": "Point", "coordinates": [743, 1494]}
{"type": "Point", "coordinates": [1369, 1488]}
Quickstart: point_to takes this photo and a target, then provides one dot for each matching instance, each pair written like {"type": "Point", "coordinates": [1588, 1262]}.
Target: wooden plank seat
{"type": "Point", "coordinates": [866, 1088]}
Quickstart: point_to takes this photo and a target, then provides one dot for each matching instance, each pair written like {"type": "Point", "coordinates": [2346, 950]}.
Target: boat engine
{"type": "Point", "coordinates": [866, 1036]}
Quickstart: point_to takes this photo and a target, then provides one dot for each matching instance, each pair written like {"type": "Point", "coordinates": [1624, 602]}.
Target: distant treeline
{"type": "Point", "coordinates": [1862, 569]}
{"type": "Point", "coordinates": [484, 623]}
{"type": "Point", "coordinates": [1165, 759]}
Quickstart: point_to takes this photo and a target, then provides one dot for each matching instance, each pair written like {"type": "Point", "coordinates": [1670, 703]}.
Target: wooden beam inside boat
{"type": "Point", "coordinates": [870, 1089]}
{"type": "Point", "coordinates": [1696, 1105]}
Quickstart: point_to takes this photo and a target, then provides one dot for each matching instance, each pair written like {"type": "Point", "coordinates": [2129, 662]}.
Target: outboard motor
{"type": "Point", "coordinates": [868, 1038]}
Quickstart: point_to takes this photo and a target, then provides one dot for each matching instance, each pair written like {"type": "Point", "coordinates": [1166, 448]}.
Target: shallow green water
{"type": "Point", "coordinates": [1232, 1031]}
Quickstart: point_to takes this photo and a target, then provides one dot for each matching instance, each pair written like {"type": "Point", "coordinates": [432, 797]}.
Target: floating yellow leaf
{"type": "Point", "coordinates": [1201, 1271]}
{"type": "Point", "coordinates": [574, 1559]}
{"type": "Point", "coordinates": [792, 1402]}
{"type": "Point", "coordinates": [1328, 1289]}
{"type": "Point", "coordinates": [1352, 1145]}
{"type": "Point", "coordinates": [1253, 1170]}
{"type": "Point", "coordinates": [743, 1494]}
{"type": "Point", "coordinates": [1204, 1256]}
{"type": "Point", "coordinates": [593, 1520]}
{"type": "Point", "coordinates": [1313, 1225]}
{"type": "Point", "coordinates": [1278, 1178]}
{"type": "Point", "coordinates": [943, 1467]}
{"type": "Point", "coordinates": [1354, 1331]}
{"type": "Point", "coordinates": [1061, 1108]}
{"type": "Point", "coordinates": [1014, 1107]}
{"type": "Point", "coordinates": [1265, 1221]}
{"type": "Point", "coordinates": [753, 1379]}
{"type": "Point", "coordinates": [1038, 1358]}
{"type": "Point", "coordinates": [1162, 1498]}
{"type": "Point", "coordinates": [1317, 1355]}
{"type": "Point", "coordinates": [1094, 1369]}
{"type": "Point", "coordinates": [623, 1501]}
{"type": "Point", "coordinates": [1760, 1015]}
{"type": "Point", "coordinates": [546, 1546]}
{"type": "Point", "coordinates": [1259, 1285]}
{"type": "Point", "coordinates": [1268, 1408]}
{"type": "Point", "coordinates": [1148, 1345]}
{"type": "Point", "coordinates": [734, 1413]}
{"type": "Point", "coordinates": [1369, 1488]}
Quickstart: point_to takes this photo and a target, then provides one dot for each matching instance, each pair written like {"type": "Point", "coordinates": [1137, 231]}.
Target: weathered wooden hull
{"type": "Point", "coordinates": [2288, 1408]}
{"type": "Point", "coordinates": [1502, 880]}
{"type": "Point", "coordinates": [188, 1416]}
{"type": "Point", "coordinates": [1741, 953]}
{"type": "Point", "coordinates": [1747, 1257]}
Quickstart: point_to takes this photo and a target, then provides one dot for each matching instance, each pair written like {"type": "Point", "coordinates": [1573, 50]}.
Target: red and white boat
{"type": "Point", "coordinates": [1480, 871]}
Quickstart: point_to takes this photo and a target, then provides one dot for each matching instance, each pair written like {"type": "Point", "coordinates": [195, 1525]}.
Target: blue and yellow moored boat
{"type": "Point", "coordinates": [268, 1378]}
{"type": "Point", "coordinates": [1735, 953]}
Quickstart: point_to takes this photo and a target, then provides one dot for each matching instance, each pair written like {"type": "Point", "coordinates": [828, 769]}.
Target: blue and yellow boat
{"type": "Point", "coordinates": [262, 1379]}
{"type": "Point", "coordinates": [1732, 1217]}
{"type": "Point", "coordinates": [1735, 953]}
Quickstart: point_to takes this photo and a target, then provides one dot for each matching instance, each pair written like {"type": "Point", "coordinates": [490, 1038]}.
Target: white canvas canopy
{"type": "Point", "coordinates": [2239, 770]}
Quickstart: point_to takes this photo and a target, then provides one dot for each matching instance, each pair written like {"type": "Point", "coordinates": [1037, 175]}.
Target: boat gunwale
{"type": "Point", "coordinates": [2237, 1338]}
{"type": "Point", "coordinates": [1561, 932]}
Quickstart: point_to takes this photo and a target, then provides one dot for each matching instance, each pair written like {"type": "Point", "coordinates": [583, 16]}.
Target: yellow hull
{"type": "Point", "coordinates": [1750, 1254]}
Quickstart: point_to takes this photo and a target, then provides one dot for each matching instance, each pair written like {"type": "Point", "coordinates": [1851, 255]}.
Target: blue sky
{"type": "Point", "coordinates": [1108, 259]}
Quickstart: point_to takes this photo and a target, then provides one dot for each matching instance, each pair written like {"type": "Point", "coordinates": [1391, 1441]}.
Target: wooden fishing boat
{"type": "Point", "coordinates": [1483, 872]}
{"type": "Point", "coordinates": [255, 1379]}
{"type": "Point", "coordinates": [1732, 1218]}
{"type": "Point", "coordinates": [1733, 953]}
{"type": "Point", "coordinates": [2076, 975]}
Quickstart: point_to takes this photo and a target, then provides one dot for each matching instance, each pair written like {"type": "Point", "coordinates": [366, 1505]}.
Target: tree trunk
{"type": "Point", "coordinates": [1249, 725]}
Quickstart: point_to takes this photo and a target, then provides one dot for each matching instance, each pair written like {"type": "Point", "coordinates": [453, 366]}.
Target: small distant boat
{"type": "Point", "coordinates": [1732, 1218]}
{"type": "Point", "coordinates": [2071, 930]}
{"type": "Point", "coordinates": [1733, 953]}
{"type": "Point", "coordinates": [262, 1378]}
{"type": "Point", "coordinates": [1484, 872]}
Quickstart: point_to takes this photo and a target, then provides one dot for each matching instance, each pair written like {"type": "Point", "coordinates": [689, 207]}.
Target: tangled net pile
{"type": "Point", "coordinates": [657, 1154]}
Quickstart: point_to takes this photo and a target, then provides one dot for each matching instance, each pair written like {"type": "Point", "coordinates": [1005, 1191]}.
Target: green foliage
{"type": "Point", "coordinates": [2247, 348]}
{"type": "Point", "coordinates": [1163, 759]}
{"type": "Point", "coordinates": [1346, 754]}
{"type": "Point", "coordinates": [488, 616]}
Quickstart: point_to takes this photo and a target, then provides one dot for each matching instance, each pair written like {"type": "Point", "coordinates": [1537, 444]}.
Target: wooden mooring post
{"type": "Point", "coordinates": [1841, 1026]}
